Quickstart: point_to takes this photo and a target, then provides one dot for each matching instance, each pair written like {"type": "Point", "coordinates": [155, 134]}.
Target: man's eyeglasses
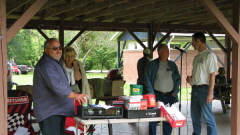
{"type": "Point", "coordinates": [55, 48]}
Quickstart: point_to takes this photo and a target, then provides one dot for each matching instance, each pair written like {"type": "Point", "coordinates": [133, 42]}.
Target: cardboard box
{"type": "Point", "coordinates": [118, 88]}
{"type": "Point", "coordinates": [173, 115]}
{"type": "Point", "coordinates": [91, 90]}
{"type": "Point", "coordinates": [114, 88]}
{"type": "Point", "coordinates": [27, 88]}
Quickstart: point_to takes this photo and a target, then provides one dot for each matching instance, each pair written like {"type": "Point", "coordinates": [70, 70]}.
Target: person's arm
{"type": "Point", "coordinates": [211, 87]}
{"type": "Point", "coordinates": [9, 70]}
{"type": "Point", "coordinates": [8, 73]}
{"type": "Point", "coordinates": [147, 76]}
{"type": "Point", "coordinates": [77, 73]}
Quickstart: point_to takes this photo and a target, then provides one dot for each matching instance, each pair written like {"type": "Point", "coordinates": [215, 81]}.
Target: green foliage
{"type": "Point", "coordinates": [88, 65]}
{"type": "Point", "coordinates": [26, 47]}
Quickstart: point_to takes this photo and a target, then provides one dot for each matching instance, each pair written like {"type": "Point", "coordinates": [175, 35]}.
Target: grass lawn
{"type": "Point", "coordinates": [28, 80]}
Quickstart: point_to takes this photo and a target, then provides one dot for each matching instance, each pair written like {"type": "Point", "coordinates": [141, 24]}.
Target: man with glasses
{"type": "Point", "coordinates": [202, 81]}
{"type": "Point", "coordinates": [52, 95]}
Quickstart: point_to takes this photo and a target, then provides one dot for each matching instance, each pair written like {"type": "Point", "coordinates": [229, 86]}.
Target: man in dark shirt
{"type": "Point", "coordinates": [141, 67]}
{"type": "Point", "coordinates": [52, 95]}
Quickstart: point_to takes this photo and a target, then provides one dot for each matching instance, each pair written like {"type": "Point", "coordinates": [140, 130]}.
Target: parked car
{"type": "Point", "coordinates": [23, 68]}
{"type": "Point", "coordinates": [30, 68]}
{"type": "Point", "coordinates": [16, 70]}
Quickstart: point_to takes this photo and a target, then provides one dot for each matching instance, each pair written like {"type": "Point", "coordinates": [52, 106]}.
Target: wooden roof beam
{"type": "Point", "coordinates": [217, 42]}
{"type": "Point", "coordinates": [162, 7]}
{"type": "Point", "coordinates": [51, 3]}
{"type": "Point", "coordinates": [136, 38]}
{"type": "Point", "coordinates": [27, 15]}
{"type": "Point", "coordinates": [114, 11]}
{"type": "Point", "coordinates": [160, 42]}
{"type": "Point", "coordinates": [16, 5]}
{"type": "Point", "coordinates": [168, 13]}
{"type": "Point", "coordinates": [72, 24]}
{"type": "Point", "coordinates": [59, 10]}
{"type": "Point", "coordinates": [75, 38]}
{"type": "Point", "coordinates": [42, 33]}
{"type": "Point", "coordinates": [92, 8]}
{"type": "Point", "coordinates": [220, 18]}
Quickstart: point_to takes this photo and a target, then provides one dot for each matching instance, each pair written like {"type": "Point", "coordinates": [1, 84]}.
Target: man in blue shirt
{"type": "Point", "coordinates": [52, 95]}
{"type": "Point", "coordinates": [163, 79]}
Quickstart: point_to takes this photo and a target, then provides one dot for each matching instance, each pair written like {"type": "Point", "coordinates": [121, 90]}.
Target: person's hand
{"type": "Point", "coordinates": [209, 98]}
{"type": "Point", "coordinates": [173, 95]}
{"type": "Point", "coordinates": [75, 62]}
{"type": "Point", "coordinates": [79, 97]}
{"type": "Point", "coordinates": [189, 79]}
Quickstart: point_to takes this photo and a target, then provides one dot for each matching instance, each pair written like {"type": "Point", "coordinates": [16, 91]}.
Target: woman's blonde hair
{"type": "Point", "coordinates": [69, 49]}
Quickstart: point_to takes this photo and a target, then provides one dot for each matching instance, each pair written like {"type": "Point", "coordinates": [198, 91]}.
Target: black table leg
{"type": "Point", "coordinates": [110, 129]}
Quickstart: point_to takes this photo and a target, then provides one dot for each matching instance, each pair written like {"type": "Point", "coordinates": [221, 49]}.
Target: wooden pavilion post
{"type": "Point", "coordinates": [235, 113]}
{"type": "Point", "coordinates": [3, 69]}
{"type": "Point", "coordinates": [233, 33]}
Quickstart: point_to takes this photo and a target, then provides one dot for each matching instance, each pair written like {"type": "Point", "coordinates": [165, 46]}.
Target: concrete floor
{"type": "Point", "coordinates": [222, 119]}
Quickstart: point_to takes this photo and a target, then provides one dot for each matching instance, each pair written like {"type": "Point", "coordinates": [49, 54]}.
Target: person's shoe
{"type": "Point", "coordinates": [227, 106]}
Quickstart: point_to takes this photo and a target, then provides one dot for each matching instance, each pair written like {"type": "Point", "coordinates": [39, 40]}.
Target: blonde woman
{"type": "Point", "coordinates": [75, 72]}
{"type": "Point", "coordinates": [77, 79]}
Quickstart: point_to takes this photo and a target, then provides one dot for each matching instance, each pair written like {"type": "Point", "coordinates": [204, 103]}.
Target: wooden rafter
{"type": "Point", "coordinates": [50, 3]}
{"type": "Point", "coordinates": [135, 37]}
{"type": "Point", "coordinates": [163, 38]}
{"type": "Point", "coordinates": [16, 5]}
{"type": "Point", "coordinates": [41, 32]}
{"type": "Point", "coordinates": [72, 25]}
{"type": "Point", "coordinates": [64, 8]}
{"type": "Point", "coordinates": [168, 11]}
{"type": "Point", "coordinates": [217, 42]}
{"type": "Point", "coordinates": [75, 38]}
{"type": "Point", "coordinates": [220, 18]}
{"type": "Point", "coordinates": [123, 9]}
{"type": "Point", "coordinates": [93, 8]}
{"type": "Point", "coordinates": [27, 15]}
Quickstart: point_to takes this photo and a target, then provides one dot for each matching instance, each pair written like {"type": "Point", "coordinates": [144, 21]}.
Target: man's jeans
{"type": "Point", "coordinates": [199, 106]}
{"type": "Point", "coordinates": [9, 85]}
{"type": "Point", "coordinates": [53, 125]}
{"type": "Point", "coordinates": [167, 128]}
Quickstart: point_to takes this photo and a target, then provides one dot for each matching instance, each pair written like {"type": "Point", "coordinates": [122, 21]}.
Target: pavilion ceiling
{"type": "Point", "coordinates": [116, 15]}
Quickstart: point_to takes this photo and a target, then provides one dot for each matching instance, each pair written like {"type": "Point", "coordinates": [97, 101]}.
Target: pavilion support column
{"type": "Point", "coordinates": [118, 55]}
{"type": "Point", "coordinates": [227, 58]}
{"type": "Point", "coordinates": [151, 38]}
{"type": "Point", "coordinates": [3, 69]}
{"type": "Point", "coordinates": [235, 110]}
{"type": "Point", "coordinates": [61, 33]}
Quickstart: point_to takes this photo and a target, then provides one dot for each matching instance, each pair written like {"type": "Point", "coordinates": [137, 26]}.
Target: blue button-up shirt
{"type": "Point", "coordinates": [50, 89]}
{"type": "Point", "coordinates": [151, 75]}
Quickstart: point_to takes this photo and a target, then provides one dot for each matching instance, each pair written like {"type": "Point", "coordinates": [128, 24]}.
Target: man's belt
{"type": "Point", "coordinates": [163, 93]}
{"type": "Point", "coordinates": [199, 86]}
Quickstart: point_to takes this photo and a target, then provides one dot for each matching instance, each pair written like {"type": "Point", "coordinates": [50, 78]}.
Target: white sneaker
{"type": "Point", "coordinates": [227, 106]}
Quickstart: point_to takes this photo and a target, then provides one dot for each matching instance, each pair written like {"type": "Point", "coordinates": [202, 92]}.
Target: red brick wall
{"type": "Point", "coordinates": [131, 58]}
